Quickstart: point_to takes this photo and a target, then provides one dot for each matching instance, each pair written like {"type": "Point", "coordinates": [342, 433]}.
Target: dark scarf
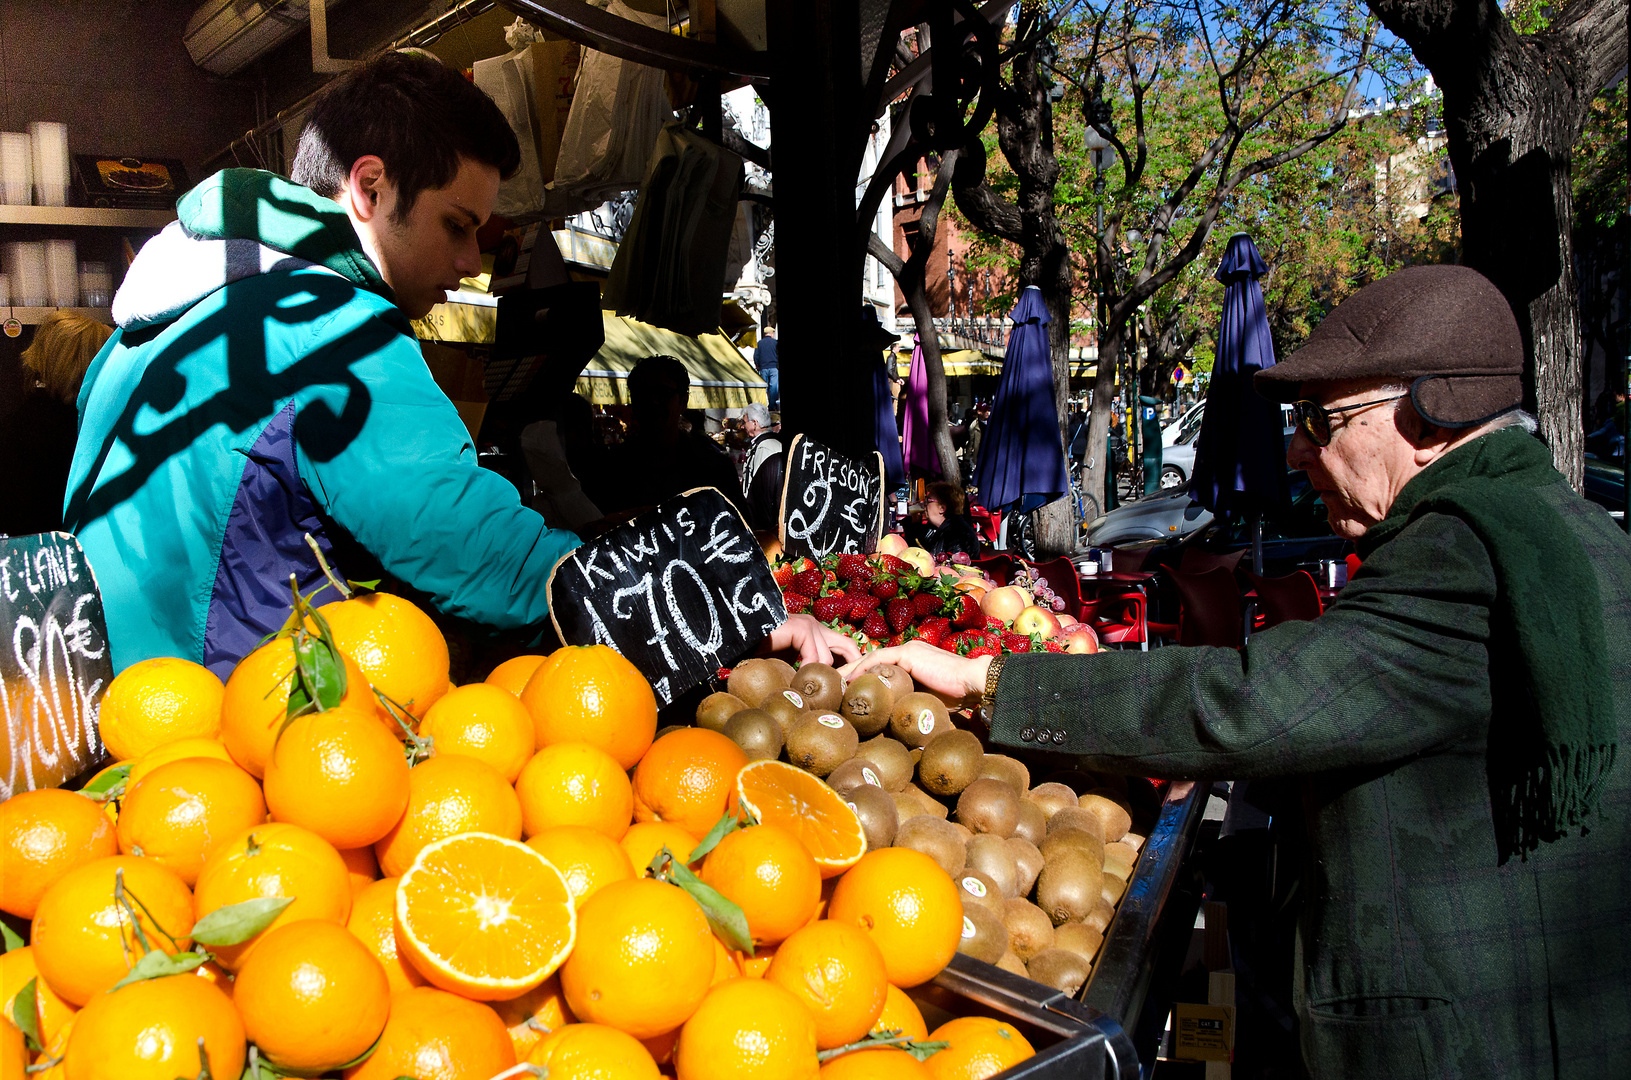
{"type": "Point", "coordinates": [1552, 730]}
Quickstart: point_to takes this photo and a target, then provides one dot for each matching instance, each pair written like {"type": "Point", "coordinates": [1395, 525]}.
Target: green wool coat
{"type": "Point", "coordinates": [1419, 956]}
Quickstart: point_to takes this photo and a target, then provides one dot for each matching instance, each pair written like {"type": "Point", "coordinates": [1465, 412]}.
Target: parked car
{"type": "Point", "coordinates": [1186, 424]}
{"type": "Point", "coordinates": [1605, 486]}
{"type": "Point", "coordinates": [1178, 455]}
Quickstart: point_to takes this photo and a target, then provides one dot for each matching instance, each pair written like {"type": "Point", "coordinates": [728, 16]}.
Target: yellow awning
{"type": "Point", "coordinates": [957, 362]}
{"type": "Point", "coordinates": [721, 378]}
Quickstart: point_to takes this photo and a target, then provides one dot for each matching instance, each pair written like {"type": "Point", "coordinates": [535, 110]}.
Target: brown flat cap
{"type": "Point", "coordinates": [1446, 330]}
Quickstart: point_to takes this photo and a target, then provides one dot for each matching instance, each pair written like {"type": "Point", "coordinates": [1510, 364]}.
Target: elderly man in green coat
{"type": "Point", "coordinates": [1453, 716]}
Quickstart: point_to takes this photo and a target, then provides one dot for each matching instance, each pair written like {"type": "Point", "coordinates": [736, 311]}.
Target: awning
{"type": "Point", "coordinates": [958, 362]}
{"type": "Point", "coordinates": [720, 377]}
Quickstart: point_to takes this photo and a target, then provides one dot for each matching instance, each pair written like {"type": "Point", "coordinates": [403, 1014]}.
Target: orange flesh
{"type": "Point", "coordinates": [784, 795]}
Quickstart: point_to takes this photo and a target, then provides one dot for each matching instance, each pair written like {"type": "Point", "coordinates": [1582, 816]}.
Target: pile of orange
{"type": "Point", "coordinates": [441, 882]}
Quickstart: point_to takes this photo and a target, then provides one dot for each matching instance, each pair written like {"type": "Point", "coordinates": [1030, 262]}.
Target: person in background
{"type": "Point", "coordinates": [976, 435]}
{"type": "Point", "coordinates": [763, 470]}
{"type": "Point", "coordinates": [37, 440]}
{"type": "Point", "coordinates": [945, 530]}
{"type": "Point", "coordinates": [764, 358]}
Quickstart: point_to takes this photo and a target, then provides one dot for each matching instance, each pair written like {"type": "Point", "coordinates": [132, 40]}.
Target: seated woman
{"type": "Point", "coordinates": [945, 530]}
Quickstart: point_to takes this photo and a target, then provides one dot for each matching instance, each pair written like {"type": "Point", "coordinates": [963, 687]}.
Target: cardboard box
{"type": "Point", "coordinates": [1203, 1032]}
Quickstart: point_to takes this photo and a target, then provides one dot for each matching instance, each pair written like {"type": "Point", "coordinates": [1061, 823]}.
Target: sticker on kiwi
{"type": "Point", "coordinates": [870, 777]}
{"type": "Point", "coordinates": [974, 887]}
{"type": "Point", "coordinates": [968, 928]}
{"type": "Point", "coordinates": [925, 721]}
{"type": "Point", "coordinates": [831, 720]}
{"type": "Point", "coordinates": [794, 697]}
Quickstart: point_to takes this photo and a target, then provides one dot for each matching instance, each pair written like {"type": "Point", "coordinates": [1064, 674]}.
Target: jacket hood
{"type": "Point", "coordinates": [237, 224]}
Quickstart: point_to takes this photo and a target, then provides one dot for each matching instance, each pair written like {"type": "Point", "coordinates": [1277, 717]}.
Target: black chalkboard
{"type": "Point", "coordinates": [54, 663]}
{"type": "Point", "coordinates": [831, 504]}
{"type": "Point", "coordinates": [682, 591]}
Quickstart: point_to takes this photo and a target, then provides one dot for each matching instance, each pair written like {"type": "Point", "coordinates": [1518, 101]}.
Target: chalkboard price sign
{"type": "Point", "coordinates": [681, 591]}
{"type": "Point", "coordinates": [54, 662]}
{"type": "Point", "coordinates": [831, 504]}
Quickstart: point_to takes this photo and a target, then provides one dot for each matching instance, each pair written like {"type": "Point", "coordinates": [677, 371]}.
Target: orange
{"type": "Point", "coordinates": [593, 1052]}
{"type": "Point", "coordinates": [197, 746]}
{"type": "Point", "coordinates": [396, 645]}
{"type": "Point", "coordinates": [110, 806]}
{"type": "Point", "coordinates": [156, 701]}
{"type": "Point", "coordinates": [725, 966]}
{"type": "Point", "coordinates": [688, 777]}
{"type": "Point", "coordinates": [55, 1051]}
{"type": "Point", "coordinates": [980, 1047]}
{"type": "Point", "coordinates": [13, 1053]}
{"type": "Point", "coordinates": [311, 996]}
{"type": "Point", "coordinates": [43, 835]}
{"type": "Point", "coordinates": [484, 916]}
{"type": "Point", "coordinates": [215, 975]}
{"type": "Point", "coordinates": [360, 866]}
{"type": "Point", "coordinates": [85, 941]}
{"type": "Point", "coordinates": [770, 875]}
{"type": "Point", "coordinates": [780, 794]}
{"type": "Point", "coordinates": [836, 971]}
{"type": "Point", "coordinates": [275, 859]}
{"type": "Point", "coordinates": [339, 774]}
{"type": "Point", "coordinates": [755, 966]}
{"type": "Point", "coordinates": [183, 810]}
{"type": "Point", "coordinates": [643, 841]}
{"type": "Point", "coordinates": [447, 796]}
{"type": "Point", "coordinates": [748, 1029]}
{"type": "Point", "coordinates": [878, 1063]}
{"type": "Point", "coordinates": [590, 693]}
{"type": "Point", "coordinates": [901, 1015]}
{"type": "Point", "coordinates": [150, 1030]}
{"type": "Point", "coordinates": [534, 1014]}
{"type": "Point", "coordinates": [512, 674]}
{"type": "Point", "coordinates": [661, 1047]}
{"type": "Point", "coordinates": [910, 907]}
{"type": "Point", "coordinates": [484, 722]}
{"type": "Point", "coordinates": [574, 784]}
{"type": "Point", "coordinates": [587, 859]}
{"type": "Point", "coordinates": [256, 703]}
{"type": "Point", "coordinates": [643, 961]}
{"type": "Point", "coordinates": [51, 1013]}
{"type": "Point", "coordinates": [373, 922]}
{"type": "Point", "coordinates": [434, 1035]}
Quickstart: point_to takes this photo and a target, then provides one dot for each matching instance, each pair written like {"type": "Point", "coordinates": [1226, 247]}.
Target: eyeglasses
{"type": "Point", "coordinates": [1315, 420]}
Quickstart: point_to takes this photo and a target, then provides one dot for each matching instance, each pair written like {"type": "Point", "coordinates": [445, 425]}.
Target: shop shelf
{"type": "Point", "coordinates": [92, 217]}
{"type": "Point", "coordinates": [33, 316]}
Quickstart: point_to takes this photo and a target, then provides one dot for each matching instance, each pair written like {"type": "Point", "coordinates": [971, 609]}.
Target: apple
{"type": "Point", "coordinates": [1004, 603]}
{"type": "Point", "coordinates": [893, 544]}
{"type": "Point", "coordinates": [1066, 622]}
{"type": "Point", "coordinates": [1036, 620]}
{"type": "Point", "coordinates": [770, 545]}
{"type": "Point", "coordinates": [920, 560]}
{"type": "Point", "coordinates": [1080, 639]}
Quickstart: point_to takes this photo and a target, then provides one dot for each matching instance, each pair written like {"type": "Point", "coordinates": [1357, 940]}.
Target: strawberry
{"type": "Point", "coordinates": [892, 564]}
{"type": "Point", "coordinates": [900, 613]}
{"type": "Point", "coordinates": [1053, 646]}
{"type": "Point", "coordinates": [962, 641]}
{"type": "Point", "coordinates": [807, 582]}
{"type": "Point", "coordinates": [897, 639]}
{"type": "Point", "coordinates": [849, 565]}
{"type": "Point", "coordinates": [934, 630]}
{"type": "Point", "coordinates": [797, 603]}
{"type": "Point", "coordinates": [983, 650]}
{"type": "Point", "coordinates": [994, 623]}
{"type": "Point", "coordinates": [783, 573]}
{"type": "Point", "coordinates": [886, 588]}
{"type": "Point", "coordinates": [864, 576]}
{"type": "Point", "coordinates": [876, 626]}
{"type": "Point", "coordinates": [926, 604]}
{"type": "Point", "coordinates": [832, 607]}
{"type": "Point", "coordinates": [862, 604]}
{"type": "Point", "coordinates": [829, 578]}
{"type": "Point", "coordinates": [967, 614]}
{"type": "Point", "coordinates": [1011, 642]}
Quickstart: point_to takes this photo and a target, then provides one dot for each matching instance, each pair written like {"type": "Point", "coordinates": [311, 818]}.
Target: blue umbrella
{"type": "Point", "coordinates": [1240, 455]}
{"type": "Point", "coordinates": [1022, 464]}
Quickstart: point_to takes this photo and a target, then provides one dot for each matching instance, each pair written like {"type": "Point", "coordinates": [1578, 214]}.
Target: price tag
{"type": "Point", "coordinates": [681, 591]}
{"type": "Point", "coordinates": [54, 662]}
{"type": "Point", "coordinates": [831, 504]}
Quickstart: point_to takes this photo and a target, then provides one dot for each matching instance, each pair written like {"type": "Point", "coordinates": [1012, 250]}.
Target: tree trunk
{"type": "Point", "coordinates": [1096, 468]}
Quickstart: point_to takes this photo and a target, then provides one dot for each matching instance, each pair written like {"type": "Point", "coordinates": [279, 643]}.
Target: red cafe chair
{"type": "Point", "coordinates": [1285, 599]}
{"type": "Point", "coordinates": [1209, 608]}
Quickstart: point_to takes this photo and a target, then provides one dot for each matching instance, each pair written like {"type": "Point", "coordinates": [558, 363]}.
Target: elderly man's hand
{"type": "Point", "coordinates": [816, 644]}
{"type": "Point", "coordinates": [956, 680]}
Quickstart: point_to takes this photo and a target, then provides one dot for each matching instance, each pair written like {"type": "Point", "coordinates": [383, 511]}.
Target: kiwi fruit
{"type": "Point", "coordinates": [1079, 840]}
{"type": "Point", "coordinates": [785, 705]}
{"type": "Point", "coordinates": [715, 709]}
{"type": "Point", "coordinates": [759, 736]}
{"type": "Point", "coordinates": [821, 685]}
{"type": "Point", "coordinates": [1133, 840]}
{"type": "Point", "coordinates": [989, 855]}
{"type": "Point", "coordinates": [667, 729]}
{"type": "Point", "coordinates": [1069, 886]}
{"type": "Point", "coordinates": [1011, 962]}
{"type": "Point", "coordinates": [892, 760]}
{"type": "Point", "coordinates": [752, 681]}
{"type": "Point", "coordinates": [1119, 859]}
{"type": "Point", "coordinates": [1075, 817]}
{"type": "Point", "coordinates": [916, 718]}
{"type": "Point", "coordinates": [931, 805]}
{"type": "Point", "coordinates": [876, 809]}
{"type": "Point", "coordinates": [1079, 938]}
{"type": "Point", "coordinates": [1029, 928]}
{"type": "Point", "coordinates": [820, 742]}
{"type": "Point", "coordinates": [906, 804]}
{"type": "Point", "coordinates": [1061, 969]}
{"type": "Point", "coordinates": [977, 889]}
{"type": "Point", "coordinates": [984, 936]}
{"type": "Point", "coordinates": [1051, 797]}
{"type": "Point", "coordinates": [1027, 863]}
{"type": "Point", "coordinates": [1031, 825]}
{"type": "Point", "coordinates": [1102, 913]}
{"type": "Point", "coordinates": [963, 832]}
{"type": "Point", "coordinates": [951, 762]}
{"type": "Point", "coordinates": [867, 703]}
{"type": "Point", "coordinates": [1113, 889]}
{"type": "Point", "coordinates": [1009, 770]}
{"type": "Point", "coordinates": [787, 670]}
{"type": "Point", "coordinates": [854, 773]}
{"type": "Point", "coordinates": [989, 806]}
{"type": "Point", "coordinates": [895, 677]}
{"type": "Point", "coordinates": [916, 754]}
{"type": "Point", "coordinates": [1111, 811]}
{"type": "Point", "coordinates": [933, 838]}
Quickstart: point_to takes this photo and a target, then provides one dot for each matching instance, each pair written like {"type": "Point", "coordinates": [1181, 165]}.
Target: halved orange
{"type": "Point", "coordinates": [484, 916]}
{"type": "Point", "coordinates": [780, 794]}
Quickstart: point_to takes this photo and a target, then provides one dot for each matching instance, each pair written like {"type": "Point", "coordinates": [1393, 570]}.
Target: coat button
{"type": "Point", "coordinates": [1059, 737]}
{"type": "Point", "coordinates": [1027, 734]}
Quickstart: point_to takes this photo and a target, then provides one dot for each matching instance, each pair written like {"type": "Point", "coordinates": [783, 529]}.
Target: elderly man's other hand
{"type": "Point", "coordinates": [956, 680]}
{"type": "Point", "coordinates": [816, 644]}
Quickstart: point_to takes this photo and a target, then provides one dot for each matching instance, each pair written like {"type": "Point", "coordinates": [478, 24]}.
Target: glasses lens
{"type": "Point", "coordinates": [1315, 421]}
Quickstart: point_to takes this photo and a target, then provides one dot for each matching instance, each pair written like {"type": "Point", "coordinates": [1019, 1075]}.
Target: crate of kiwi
{"type": "Point", "coordinates": [1040, 867]}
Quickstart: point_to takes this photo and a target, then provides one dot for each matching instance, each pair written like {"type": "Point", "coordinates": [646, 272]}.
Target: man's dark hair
{"type": "Point", "coordinates": [658, 367]}
{"type": "Point", "coordinates": [415, 114]}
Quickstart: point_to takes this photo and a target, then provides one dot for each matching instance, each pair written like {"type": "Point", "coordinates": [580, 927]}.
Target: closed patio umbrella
{"type": "Point", "coordinates": [1022, 464]}
{"type": "Point", "coordinates": [920, 456]}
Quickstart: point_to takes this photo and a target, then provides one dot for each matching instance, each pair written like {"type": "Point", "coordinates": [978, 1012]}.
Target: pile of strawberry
{"type": "Point", "coordinates": [881, 600]}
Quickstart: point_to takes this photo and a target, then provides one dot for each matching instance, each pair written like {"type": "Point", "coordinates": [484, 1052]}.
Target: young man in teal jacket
{"type": "Point", "coordinates": [265, 383]}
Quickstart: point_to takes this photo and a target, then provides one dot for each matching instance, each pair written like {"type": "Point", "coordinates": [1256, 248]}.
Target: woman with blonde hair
{"type": "Point", "coordinates": [37, 440]}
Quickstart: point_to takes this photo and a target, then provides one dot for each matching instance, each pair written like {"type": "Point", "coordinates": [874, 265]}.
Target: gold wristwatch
{"type": "Point", "coordinates": [988, 700]}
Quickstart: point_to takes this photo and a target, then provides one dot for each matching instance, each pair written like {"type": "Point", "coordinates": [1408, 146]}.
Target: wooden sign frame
{"type": "Point", "coordinates": [795, 534]}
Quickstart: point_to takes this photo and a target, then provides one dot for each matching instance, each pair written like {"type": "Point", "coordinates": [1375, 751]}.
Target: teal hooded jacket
{"type": "Point", "coordinates": [262, 386]}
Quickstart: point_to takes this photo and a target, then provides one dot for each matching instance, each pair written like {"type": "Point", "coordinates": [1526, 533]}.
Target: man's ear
{"type": "Point", "coordinates": [366, 187]}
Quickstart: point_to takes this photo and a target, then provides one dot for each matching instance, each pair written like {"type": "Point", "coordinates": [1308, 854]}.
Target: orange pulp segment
{"type": "Point", "coordinates": [777, 793]}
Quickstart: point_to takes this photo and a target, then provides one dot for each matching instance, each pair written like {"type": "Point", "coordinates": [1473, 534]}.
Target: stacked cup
{"type": "Point", "coordinates": [50, 143]}
{"type": "Point", "coordinates": [26, 266]}
{"type": "Point", "coordinates": [95, 284]}
{"type": "Point", "coordinates": [16, 168]}
{"type": "Point", "coordinates": [62, 272]}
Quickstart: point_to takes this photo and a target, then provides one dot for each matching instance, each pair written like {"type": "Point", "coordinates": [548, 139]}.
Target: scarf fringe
{"type": "Point", "coordinates": [1550, 798]}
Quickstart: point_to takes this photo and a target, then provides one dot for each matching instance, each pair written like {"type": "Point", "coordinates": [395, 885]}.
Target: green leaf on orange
{"type": "Point", "coordinates": [723, 915]}
{"type": "Point", "coordinates": [237, 923]}
{"type": "Point", "coordinates": [156, 965]}
{"type": "Point", "coordinates": [24, 1011]}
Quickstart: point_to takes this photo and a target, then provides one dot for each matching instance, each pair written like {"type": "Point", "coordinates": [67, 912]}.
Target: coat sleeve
{"type": "Point", "coordinates": [388, 459]}
{"type": "Point", "coordinates": [1397, 667]}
